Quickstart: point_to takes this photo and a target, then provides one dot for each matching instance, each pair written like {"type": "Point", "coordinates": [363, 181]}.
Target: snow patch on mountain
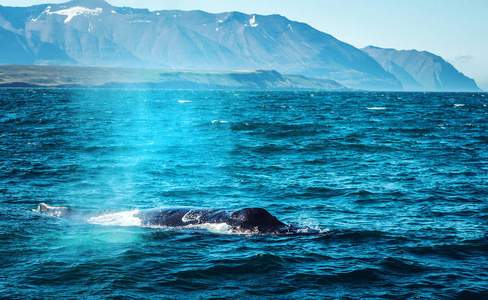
{"type": "Point", "coordinates": [252, 21]}
{"type": "Point", "coordinates": [198, 40]}
{"type": "Point", "coordinates": [72, 12]}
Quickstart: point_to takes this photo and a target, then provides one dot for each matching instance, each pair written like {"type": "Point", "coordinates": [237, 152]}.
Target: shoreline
{"type": "Point", "coordinates": [106, 77]}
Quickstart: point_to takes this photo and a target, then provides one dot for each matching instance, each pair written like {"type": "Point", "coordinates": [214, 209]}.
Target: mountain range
{"type": "Point", "coordinates": [95, 33]}
{"type": "Point", "coordinates": [421, 70]}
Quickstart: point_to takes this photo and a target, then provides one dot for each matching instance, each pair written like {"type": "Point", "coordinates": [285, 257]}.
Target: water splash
{"type": "Point", "coordinates": [125, 218]}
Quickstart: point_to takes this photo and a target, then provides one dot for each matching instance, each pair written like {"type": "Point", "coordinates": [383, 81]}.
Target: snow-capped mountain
{"type": "Point", "coordinates": [95, 33]}
{"type": "Point", "coordinates": [421, 70]}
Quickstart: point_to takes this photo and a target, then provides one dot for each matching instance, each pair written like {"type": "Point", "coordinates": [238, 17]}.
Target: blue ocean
{"type": "Point", "coordinates": [396, 185]}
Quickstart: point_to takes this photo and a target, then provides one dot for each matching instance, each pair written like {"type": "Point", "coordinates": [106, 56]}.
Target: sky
{"type": "Point", "coordinates": [456, 30]}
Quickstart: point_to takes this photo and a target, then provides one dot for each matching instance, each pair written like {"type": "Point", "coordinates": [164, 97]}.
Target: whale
{"type": "Point", "coordinates": [247, 220]}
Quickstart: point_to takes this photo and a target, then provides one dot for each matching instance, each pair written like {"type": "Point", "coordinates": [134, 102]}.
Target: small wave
{"type": "Point", "coordinates": [313, 231]}
{"type": "Point", "coordinates": [326, 278]}
{"type": "Point", "coordinates": [364, 235]}
{"type": "Point", "coordinates": [364, 274]}
{"type": "Point", "coordinates": [126, 218]}
{"type": "Point", "coordinates": [472, 293]}
{"type": "Point", "coordinates": [219, 122]}
{"type": "Point", "coordinates": [245, 126]}
{"type": "Point", "coordinates": [223, 228]}
{"type": "Point", "coordinates": [376, 108]}
{"type": "Point", "coordinates": [241, 266]}
{"type": "Point", "coordinates": [403, 266]}
{"type": "Point", "coordinates": [184, 101]}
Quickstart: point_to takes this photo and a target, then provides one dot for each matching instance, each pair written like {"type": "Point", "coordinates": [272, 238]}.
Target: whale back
{"type": "Point", "coordinates": [247, 219]}
{"type": "Point", "coordinates": [255, 219]}
{"type": "Point", "coordinates": [173, 217]}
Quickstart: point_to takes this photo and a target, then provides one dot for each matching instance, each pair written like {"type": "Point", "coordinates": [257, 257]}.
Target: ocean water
{"type": "Point", "coordinates": [397, 183]}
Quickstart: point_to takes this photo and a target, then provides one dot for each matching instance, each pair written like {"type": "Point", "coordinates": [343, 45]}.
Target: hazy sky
{"type": "Point", "coordinates": [457, 30]}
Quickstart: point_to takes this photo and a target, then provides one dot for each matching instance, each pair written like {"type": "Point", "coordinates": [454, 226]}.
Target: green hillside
{"type": "Point", "coordinates": [93, 77]}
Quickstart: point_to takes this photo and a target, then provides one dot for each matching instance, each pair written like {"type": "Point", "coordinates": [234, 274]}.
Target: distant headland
{"type": "Point", "coordinates": [132, 78]}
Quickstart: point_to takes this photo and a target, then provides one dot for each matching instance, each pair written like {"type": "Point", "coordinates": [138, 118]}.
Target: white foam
{"type": "Point", "coordinates": [125, 218]}
{"type": "Point", "coordinates": [376, 108]}
{"type": "Point", "coordinates": [309, 230]}
{"type": "Point", "coordinates": [221, 228]}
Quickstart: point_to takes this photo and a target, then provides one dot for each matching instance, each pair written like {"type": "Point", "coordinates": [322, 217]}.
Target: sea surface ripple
{"type": "Point", "coordinates": [400, 179]}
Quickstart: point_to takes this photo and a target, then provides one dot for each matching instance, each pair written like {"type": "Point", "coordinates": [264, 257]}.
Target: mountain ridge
{"type": "Point", "coordinates": [95, 33]}
{"type": "Point", "coordinates": [421, 70]}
